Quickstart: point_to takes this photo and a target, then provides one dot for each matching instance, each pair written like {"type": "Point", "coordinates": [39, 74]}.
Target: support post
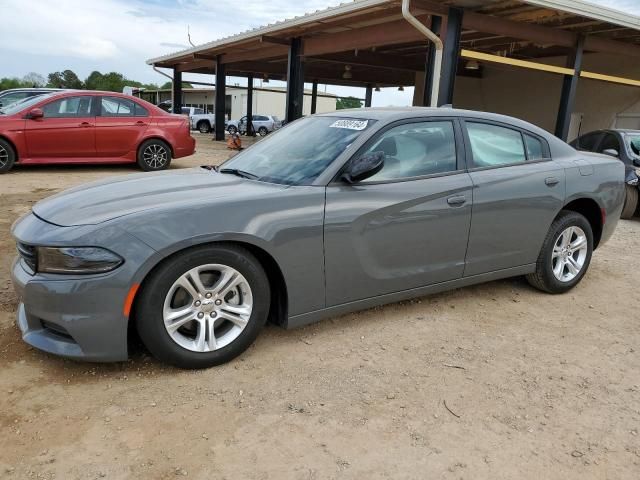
{"type": "Point", "coordinates": [436, 27]}
{"type": "Point", "coordinates": [250, 131]}
{"type": "Point", "coordinates": [451, 55]}
{"type": "Point", "coordinates": [368, 96]}
{"type": "Point", "coordinates": [176, 94]}
{"type": "Point", "coordinates": [569, 89]}
{"type": "Point", "coordinates": [295, 81]}
{"type": "Point", "coordinates": [314, 97]}
{"type": "Point", "coordinates": [221, 98]}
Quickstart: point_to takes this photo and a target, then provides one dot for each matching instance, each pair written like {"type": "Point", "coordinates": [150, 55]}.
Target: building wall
{"type": "Point", "coordinates": [534, 96]}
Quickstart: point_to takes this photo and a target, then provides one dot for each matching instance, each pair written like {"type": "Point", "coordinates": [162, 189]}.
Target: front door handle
{"type": "Point", "coordinates": [140, 123]}
{"type": "Point", "coordinates": [457, 200]}
{"type": "Point", "coordinates": [551, 181]}
{"type": "Point", "coordinates": [86, 124]}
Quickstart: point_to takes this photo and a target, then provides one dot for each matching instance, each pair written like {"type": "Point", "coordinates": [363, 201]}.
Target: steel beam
{"type": "Point", "coordinates": [314, 97]}
{"type": "Point", "coordinates": [250, 130]}
{"type": "Point", "coordinates": [569, 88]}
{"type": "Point", "coordinates": [368, 98]}
{"type": "Point", "coordinates": [176, 94]}
{"type": "Point", "coordinates": [450, 56]}
{"type": "Point", "coordinates": [221, 99]}
{"type": "Point", "coordinates": [295, 81]}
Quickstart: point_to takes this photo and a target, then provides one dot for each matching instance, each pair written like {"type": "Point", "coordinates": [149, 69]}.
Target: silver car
{"type": "Point", "coordinates": [262, 124]}
{"type": "Point", "coordinates": [331, 214]}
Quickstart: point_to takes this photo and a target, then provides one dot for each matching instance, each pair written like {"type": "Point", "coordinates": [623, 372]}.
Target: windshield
{"type": "Point", "coordinates": [634, 144]}
{"type": "Point", "coordinates": [23, 104]}
{"type": "Point", "coordinates": [300, 152]}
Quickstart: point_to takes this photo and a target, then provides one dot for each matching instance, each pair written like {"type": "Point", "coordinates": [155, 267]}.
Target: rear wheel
{"type": "Point", "coordinates": [7, 156]}
{"type": "Point", "coordinates": [203, 307]}
{"type": "Point", "coordinates": [204, 126]}
{"type": "Point", "coordinates": [630, 202]}
{"type": "Point", "coordinates": [154, 155]}
{"type": "Point", "coordinates": [565, 255]}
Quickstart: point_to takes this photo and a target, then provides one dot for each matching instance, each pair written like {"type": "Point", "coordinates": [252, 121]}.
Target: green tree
{"type": "Point", "coordinates": [92, 82]}
{"type": "Point", "coordinates": [6, 83]}
{"type": "Point", "coordinates": [348, 102]}
{"type": "Point", "coordinates": [65, 79]}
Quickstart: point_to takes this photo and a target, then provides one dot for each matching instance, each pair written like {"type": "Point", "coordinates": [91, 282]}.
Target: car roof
{"type": "Point", "coordinates": [33, 89]}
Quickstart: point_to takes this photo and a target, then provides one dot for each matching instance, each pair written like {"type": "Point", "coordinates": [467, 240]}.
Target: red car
{"type": "Point", "coordinates": [91, 127]}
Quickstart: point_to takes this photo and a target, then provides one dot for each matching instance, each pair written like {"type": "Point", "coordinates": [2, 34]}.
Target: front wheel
{"type": "Point", "coordinates": [7, 156]}
{"type": "Point", "coordinates": [630, 202]}
{"type": "Point", "coordinates": [565, 255]}
{"type": "Point", "coordinates": [203, 307]}
{"type": "Point", "coordinates": [262, 131]}
{"type": "Point", "coordinates": [204, 127]}
{"type": "Point", "coordinates": [154, 155]}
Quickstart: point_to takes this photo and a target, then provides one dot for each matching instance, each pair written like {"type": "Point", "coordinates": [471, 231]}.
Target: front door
{"type": "Point", "coordinates": [408, 225]}
{"type": "Point", "coordinates": [517, 192]}
{"type": "Point", "coordinates": [67, 130]}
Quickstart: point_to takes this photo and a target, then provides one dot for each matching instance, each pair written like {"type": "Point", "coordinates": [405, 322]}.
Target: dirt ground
{"type": "Point", "coordinates": [497, 381]}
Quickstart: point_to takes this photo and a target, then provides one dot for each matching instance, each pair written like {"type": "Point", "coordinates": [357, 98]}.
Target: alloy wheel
{"type": "Point", "coordinates": [569, 254]}
{"type": "Point", "coordinates": [4, 156]}
{"type": "Point", "coordinates": [155, 156]}
{"type": "Point", "coordinates": [207, 307]}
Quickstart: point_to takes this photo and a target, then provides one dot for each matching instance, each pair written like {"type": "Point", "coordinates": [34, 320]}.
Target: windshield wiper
{"type": "Point", "coordinates": [239, 173]}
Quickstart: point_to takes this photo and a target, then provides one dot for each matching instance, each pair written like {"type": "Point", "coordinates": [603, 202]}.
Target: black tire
{"type": "Point", "coordinates": [232, 129]}
{"type": "Point", "coordinates": [204, 126]}
{"type": "Point", "coordinates": [543, 278]}
{"type": "Point", "coordinates": [149, 305]}
{"type": "Point", "coordinates": [262, 131]}
{"type": "Point", "coordinates": [630, 202]}
{"type": "Point", "coordinates": [149, 164]}
{"type": "Point", "coordinates": [7, 156]}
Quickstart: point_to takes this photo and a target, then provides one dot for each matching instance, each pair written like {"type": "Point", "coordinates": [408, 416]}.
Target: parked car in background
{"type": "Point", "coordinates": [262, 124]}
{"type": "Point", "coordinates": [622, 144]}
{"type": "Point", "coordinates": [334, 213]}
{"type": "Point", "coordinates": [200, 120]}
{"type": "Point", "coordinates": [7, 97]}
{"type": "Point", "coordinates": [91, 127]}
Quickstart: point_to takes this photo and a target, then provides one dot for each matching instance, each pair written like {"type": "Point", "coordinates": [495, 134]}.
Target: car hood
{"type": "Point", "coordinates": [98, 202]}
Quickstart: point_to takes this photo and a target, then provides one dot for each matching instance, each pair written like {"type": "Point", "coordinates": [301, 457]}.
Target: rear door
{"type": "Point", "coordinates": [517, 192]}
{"type": "Point", "coordinates": [67, 130]}
{"type": "Point", "coordinates": [408, 225]}
{"type": "Point", "coordinates": [120, 126]}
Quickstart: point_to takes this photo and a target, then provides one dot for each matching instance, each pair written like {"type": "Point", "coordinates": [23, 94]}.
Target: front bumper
{"type": "Point", "coordinates": [79, 317]}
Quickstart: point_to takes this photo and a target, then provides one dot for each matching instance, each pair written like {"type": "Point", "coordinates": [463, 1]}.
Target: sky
{"type": "Point", "coordinates": [44, 36]}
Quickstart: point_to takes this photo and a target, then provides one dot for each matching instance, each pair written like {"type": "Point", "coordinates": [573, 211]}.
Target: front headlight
{"type": "Point", "coordinates": [77, 260]}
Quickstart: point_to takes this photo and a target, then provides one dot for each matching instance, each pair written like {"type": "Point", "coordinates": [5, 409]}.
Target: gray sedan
{"type": "Point", "coordinates": [331, 214]}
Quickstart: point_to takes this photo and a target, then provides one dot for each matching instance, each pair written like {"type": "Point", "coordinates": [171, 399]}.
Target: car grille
{"type": "Point", "coordinates": [29, 255]}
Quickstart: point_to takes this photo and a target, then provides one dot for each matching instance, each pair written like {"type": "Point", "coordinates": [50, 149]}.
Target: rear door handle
{"type": "Point", "coordinates": [140, 123]}
{"type": "Point", "coordinates": [457, 200]}
{"type": "Point", "coordinates": [86, 124]}
{"type": "Point", "coordinates": [551, 181]}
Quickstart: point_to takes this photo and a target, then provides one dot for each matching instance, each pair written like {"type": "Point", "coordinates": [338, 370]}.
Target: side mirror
{"type": "Point", "coordinates": [636, 162]}
{"type": "Point", "coordinates": [35, 114]}
{"type": "Point", "coordinates": [612, 152]}
{"type": "Point", "coordinates": [363, 167]}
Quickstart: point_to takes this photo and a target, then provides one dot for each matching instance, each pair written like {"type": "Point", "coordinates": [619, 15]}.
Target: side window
{"type": "Point", "coordinates": [68, 107]}
{"type": "Point", "coordinates": [492, 145]}
{"type": "Point", "coordinates": [534, 148]}
{"type": "Point", "coordinates": [10, 98]}
{"type": "Point", "coordinates": [117, 107]}
{"type": "Point", "coordinates": [609, 142]}
{"type": "Point", "coordinates": [415, 149]}
{"type": "Point", "coordinates": [198, 111]}
{"type": "Point", "coordinates": [140, 111]}
{"type": "Point", "coordinates": [186, 111]}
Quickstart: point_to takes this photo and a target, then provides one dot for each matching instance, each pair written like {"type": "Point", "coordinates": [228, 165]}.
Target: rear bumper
{"type": "Point", "coordinates": [185, 147]}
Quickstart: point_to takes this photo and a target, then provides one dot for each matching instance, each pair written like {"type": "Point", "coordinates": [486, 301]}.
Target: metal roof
{"type": "Point", "coordinates": [577, 8]}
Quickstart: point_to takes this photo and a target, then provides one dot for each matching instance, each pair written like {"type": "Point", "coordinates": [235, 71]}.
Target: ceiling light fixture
{"type": "Point", "coordinates": [472, 65]}
{"type": "Point", "coordinates": [401, 88]}
{"type": "Point", "coordinates": [347, 72]}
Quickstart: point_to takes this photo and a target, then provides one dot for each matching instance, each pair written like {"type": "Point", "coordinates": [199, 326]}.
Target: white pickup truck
{"type": "Point", "coordinates": [204, 122]}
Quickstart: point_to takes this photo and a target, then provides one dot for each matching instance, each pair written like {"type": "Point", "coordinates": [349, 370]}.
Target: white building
{"type": "Point", "coordinates": [266, 100]}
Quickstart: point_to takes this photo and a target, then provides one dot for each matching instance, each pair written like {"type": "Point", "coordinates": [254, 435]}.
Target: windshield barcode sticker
{"type": "Point", "coordinates": [350, 124]}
